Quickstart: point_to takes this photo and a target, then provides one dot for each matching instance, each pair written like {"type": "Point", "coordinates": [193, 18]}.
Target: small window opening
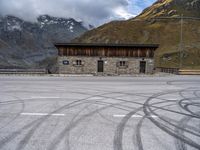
{"type": "Point", "coordinates": [78, 62]}
{"type": "Point", "coordinates": [122, 63]}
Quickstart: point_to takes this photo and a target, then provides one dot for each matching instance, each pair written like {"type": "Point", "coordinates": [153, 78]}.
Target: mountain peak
{"type": "Point", "coordinates": [24, 43]}
{"type": "Point", "coordinates": [172, 8]}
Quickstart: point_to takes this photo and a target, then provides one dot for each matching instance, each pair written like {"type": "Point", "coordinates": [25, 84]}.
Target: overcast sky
{"type": "Point", "coordinates": [95, 12]}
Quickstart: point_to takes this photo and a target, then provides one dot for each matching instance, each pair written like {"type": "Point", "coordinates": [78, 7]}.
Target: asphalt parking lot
{"type": "Point", "coordinates": [100, 113]}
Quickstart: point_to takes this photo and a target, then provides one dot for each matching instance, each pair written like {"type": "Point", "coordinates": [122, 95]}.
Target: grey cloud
{"type": "Point", "coordinates": [91, 11]}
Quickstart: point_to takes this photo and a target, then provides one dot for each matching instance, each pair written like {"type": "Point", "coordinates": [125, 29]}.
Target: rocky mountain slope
{"type": "Point", "coordinates": [172, 8]}
{"type": "Point", "coordinates": [30, 44]}
{"type": "Point", "coordinates": [161, 24]}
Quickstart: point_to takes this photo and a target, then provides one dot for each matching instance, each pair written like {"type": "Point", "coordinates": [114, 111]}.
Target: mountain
{"type": "Point", "coordinates": [172, 8]}
{"type": "Point", "coordinates": [30, 44]}
{"type": "Point", "coordinates": [161, 24]}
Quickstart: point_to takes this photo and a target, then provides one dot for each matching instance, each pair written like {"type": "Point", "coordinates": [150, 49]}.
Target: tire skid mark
{"type": "Point", "coordinates": [35, 123]}
{"type": "Point", "coordinates": [117, 142]}
{"type": "Point", "coordinates": [16, 116]}
{"type": "Point", "coordinates": [184, 114]}
{"type": "Point", "coordinates": [189, 102]}
{"type": "Point", "coordinates": [28, 136]}
{"type": "Point", "coordinates": [116, 107]}
{"type": "Point", "coordinates": [148, 111]}
{"type": "Point", "coordinates": [138, 130]}
{"type": "Point", "coordinates": [181, 93]}
{"type": "Point", "coordinates": [25, 140]}
{"type": "Point", "coordinates": [176, 126]}
{"type": "Point", "coordinates": [170, 123]}
{"type": "Point", "coordinates": [168, 92]}
{"type": "Point", "coordinates": [170, 132]}
{"type": "Point", "coordinates": [138, 134]}
{"type": "Point", "coordinates": [196, 93]}
{"type": "Point", "coordinates": [13, 135]}
{"type": "Point", "coordinates": [180, 145]}
{"type": "Point", "coordinates": [131, 94]}
{"type": "Point", "coordinates": [74, 124]}
{"type": "Point", "coordinates": [39, 121]}
{"type": "Point", "coordinates": [56, 141]}
{"type": "Point", "coordinates": [196, 130]}
{"type": "Point", "coordinates": [120, 107]}
{"type": "Point", "coordinates": [193, 104]}
{"type": "Point", "coordinates": [178, 131]}
{"type": "Point", "coordinates": [110, 97]}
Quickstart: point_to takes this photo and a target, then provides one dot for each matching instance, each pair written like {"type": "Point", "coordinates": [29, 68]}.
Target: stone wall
{"type": "Point", "coordinates": [111, 65]}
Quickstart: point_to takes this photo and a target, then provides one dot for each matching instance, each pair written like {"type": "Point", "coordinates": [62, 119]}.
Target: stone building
{"type": "Point", "coordinates": [105, 59]}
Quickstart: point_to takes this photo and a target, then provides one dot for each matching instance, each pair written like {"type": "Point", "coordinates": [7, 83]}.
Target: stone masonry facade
{"type": "Point", "coordinates": [111, 65]}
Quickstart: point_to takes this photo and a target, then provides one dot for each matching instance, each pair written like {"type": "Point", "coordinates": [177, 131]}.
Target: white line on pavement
{"type": "Point", "coordinates": [134, 116]}
{"type": "Point", "coordinates": [41, 114]}
{"type": "Point", "coordinates": [41, 97]}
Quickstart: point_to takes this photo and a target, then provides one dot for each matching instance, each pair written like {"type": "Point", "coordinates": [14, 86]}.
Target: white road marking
{"type": "Point", "coordinates": [41, 114]}
{"type": "Point", "coordinates": [43, 97]}
{"type": "Point", "coordinates": [173, 99]}
{"type": "Point", "coordinates": [134, 116]}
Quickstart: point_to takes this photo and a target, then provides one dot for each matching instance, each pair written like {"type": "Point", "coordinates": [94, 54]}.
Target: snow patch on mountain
{"type": "Point", "coordinates": [12, 23]}
{"type": "Point", "coordinates": [71, 28]}
{"type": "Point", "coordinates": [14, 27]}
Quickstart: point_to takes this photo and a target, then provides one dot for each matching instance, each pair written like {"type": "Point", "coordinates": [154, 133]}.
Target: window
{"type": "Point", "coordinates": [78, 62]}
{"type": "Point", "coordinates": [122, 63]}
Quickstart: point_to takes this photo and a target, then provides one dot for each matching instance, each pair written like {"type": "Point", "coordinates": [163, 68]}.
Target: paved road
{"type": "Point", "coordinates": [100, 113]}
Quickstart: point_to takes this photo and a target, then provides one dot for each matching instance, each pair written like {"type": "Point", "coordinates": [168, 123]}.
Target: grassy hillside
{"type": "Point", "coordinates": [149, 28]}
{"type": "Point", "coordinates": [172, 8]}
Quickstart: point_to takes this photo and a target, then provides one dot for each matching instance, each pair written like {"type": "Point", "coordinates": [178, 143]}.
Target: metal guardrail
{"type": "Point", "coordinates": [23, 71]}
{"type": "Point", "coordinates": [179, 71]}
{"type": "Point", "coordinates": [168, 70]}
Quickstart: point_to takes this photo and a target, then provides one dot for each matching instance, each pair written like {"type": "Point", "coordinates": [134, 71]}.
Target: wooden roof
{"type": "Point", "coordinates": [106, 45]}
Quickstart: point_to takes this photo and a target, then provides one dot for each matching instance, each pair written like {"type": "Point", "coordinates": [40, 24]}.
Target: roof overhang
{"type": "Point", "coordinates": [106, 45]}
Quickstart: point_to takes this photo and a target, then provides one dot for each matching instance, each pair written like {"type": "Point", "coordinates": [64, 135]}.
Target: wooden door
{"type": "Point", "coordinates": [143, 67]}
{"type": "Point", "coordinates": [100, 66]}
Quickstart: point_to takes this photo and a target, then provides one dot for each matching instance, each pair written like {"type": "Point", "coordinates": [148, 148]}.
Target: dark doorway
{"type": "Point", "coordinates": [100, 66]}
{"type": "Point", "coordinates": [143, 67]}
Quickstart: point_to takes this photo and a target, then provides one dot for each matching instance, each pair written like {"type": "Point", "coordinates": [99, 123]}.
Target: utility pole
{"type": "Point", "coordinates": [181, 44]}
